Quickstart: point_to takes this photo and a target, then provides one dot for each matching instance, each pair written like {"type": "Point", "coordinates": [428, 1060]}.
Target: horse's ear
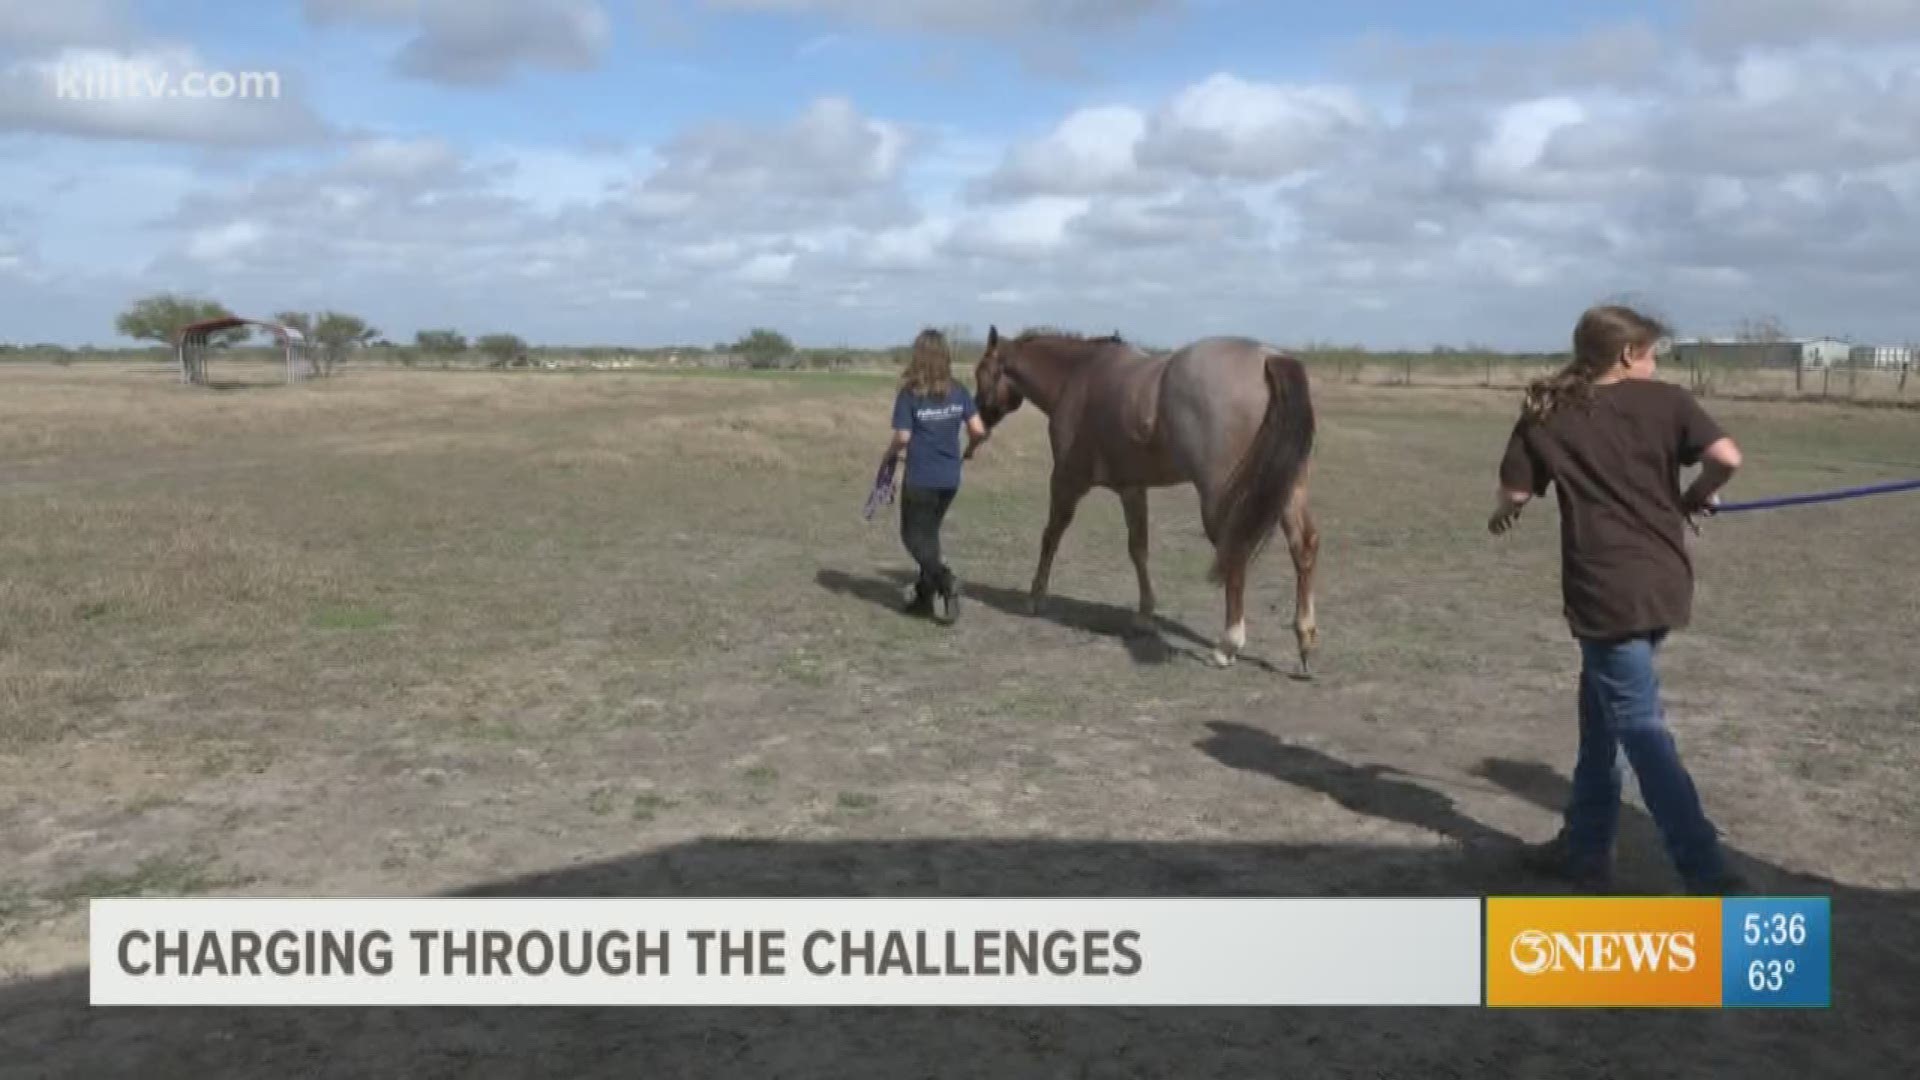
{"type": "Point", "coordinates": [993, 336]}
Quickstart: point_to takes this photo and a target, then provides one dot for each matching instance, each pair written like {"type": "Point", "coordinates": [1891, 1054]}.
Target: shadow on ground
{"type": "Point", "coordinates": [1168, 642]}
{"type": "Point", "coordinates": [1372, 790]}
{"type": "Point", "coordinates": [47, 1029]}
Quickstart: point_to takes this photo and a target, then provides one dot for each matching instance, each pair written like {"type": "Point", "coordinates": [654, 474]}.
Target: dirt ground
{"type": "Point", "coordinates": [626, 634]}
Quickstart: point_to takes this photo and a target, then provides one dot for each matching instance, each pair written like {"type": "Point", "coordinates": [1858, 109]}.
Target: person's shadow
{"type": "Point", "coordinates": [1372, 790]}
{"type": "Point", "coordinates": [1169, 640]}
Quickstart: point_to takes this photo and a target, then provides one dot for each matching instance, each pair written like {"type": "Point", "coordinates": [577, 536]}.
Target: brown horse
{"type": "Point", "coordinates": [1229, 415]}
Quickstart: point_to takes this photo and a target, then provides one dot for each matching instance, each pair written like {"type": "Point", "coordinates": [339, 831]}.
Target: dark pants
{"type": "Point", "coordinates": [1621, 715]}
{"type": "Point", "coordinates": [921, 512]}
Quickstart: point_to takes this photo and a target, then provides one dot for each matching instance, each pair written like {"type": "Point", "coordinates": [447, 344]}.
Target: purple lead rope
{"type": "Point", "coordinates": [1825, 496]}
{"type": "Point", "coordinates": [882, 492]}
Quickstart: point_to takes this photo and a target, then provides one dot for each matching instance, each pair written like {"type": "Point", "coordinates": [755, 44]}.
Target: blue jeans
{"type": "Point", "coordinates": [1620, 710]}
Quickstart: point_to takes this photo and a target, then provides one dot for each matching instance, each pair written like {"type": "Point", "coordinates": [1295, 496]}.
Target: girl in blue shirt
{"type": "Point", "coordinates": [928, 414]}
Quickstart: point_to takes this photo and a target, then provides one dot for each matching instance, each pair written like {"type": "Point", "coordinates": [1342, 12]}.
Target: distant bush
{"type": "Point", "coordinates": [501, 349]}
{"type": "Point", "coordinates": [764, 349]}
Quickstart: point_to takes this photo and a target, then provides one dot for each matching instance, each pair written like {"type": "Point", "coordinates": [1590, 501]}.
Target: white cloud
{"type": "Point", "coordinates": [1232, 127]}
{"type": "Point", "coordinates": [1520, 135]}
{"type": "Point", "coordinates": [766, 268]}
{"type": "Point", "coordinates": [221, 243]}
{"type": "Point", "coordinates": [1007, 296]}
{"type": "Point", "coordinates": [389, 159]}
{"type": "Point", "coordinates": [919, 246]}
{"type": "Point", "coordinates": [1761, 116]}
{"type": "Point", "coordinates": [1223, 127]}
{"type": "Point", "coordinates": [160, 94]}
{"type": "Point", "coordinates": [1025, 230]}
{"type": "Point", "coordinates": [480, 42]}
{"type": "Point", "coordinates": [830, 163]}
{"type": "Point", "coordinates": [1197, 217]}
{"type": "Point", "coordinates": [1092, 151]}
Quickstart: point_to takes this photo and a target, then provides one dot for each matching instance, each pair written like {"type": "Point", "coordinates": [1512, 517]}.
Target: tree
{"type": "Point", "coordinates": [331, 333]}
{"type": "Point", "coordinates": [439, 341]}
{"type": "Point", "coordinates": [763, 348]}
{"type": "Point", "coordinates": [502, 348]}
{"type": "Point", "coordinates": [160, 318]}
{"type": "Point", "coordinates": [338, 332]}
{"type": "Point", "coordinates": [1764, 329]}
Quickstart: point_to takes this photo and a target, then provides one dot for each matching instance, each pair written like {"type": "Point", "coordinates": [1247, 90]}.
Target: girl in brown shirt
{"type": "Point", "coordinates": [1611, 440]}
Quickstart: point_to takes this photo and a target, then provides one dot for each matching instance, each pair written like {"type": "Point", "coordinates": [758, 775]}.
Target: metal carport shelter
{"type": "Point", "coordinates": [193, 342]}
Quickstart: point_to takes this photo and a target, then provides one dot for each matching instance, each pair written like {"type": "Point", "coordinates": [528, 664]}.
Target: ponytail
{"type": "Point", "coordinates": [1570, 386]}
{"type": "Point", "coordinates": [1599, 340]}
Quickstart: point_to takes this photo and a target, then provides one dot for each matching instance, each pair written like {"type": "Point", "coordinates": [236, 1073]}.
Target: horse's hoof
{"type": "Point", "coordinates": [1144, 623]}
{"type": "Point", "coordinates": [1222, 660]}
{"type": "Point", "coordinates": [1033, 605]}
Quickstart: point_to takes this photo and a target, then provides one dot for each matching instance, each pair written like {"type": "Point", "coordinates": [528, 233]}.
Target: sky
{"type": "Point", "coordinates": [1386, 173]}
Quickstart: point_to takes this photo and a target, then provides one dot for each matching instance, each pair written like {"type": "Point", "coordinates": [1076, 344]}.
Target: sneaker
{"type": "Point", "coordinates": [1553, 859]}
{"type": "Point", "coordinates": [950, 603]}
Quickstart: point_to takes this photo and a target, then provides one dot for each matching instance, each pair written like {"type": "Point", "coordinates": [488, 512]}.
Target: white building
{"type": "Point", "coordinates": [1824, 352]}
{"type": "Point", "coordinates": [1884, 356]}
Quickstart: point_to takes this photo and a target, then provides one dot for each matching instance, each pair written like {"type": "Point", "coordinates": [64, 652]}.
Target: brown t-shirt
{"type": "Point", "coordinates": [1616, 467]}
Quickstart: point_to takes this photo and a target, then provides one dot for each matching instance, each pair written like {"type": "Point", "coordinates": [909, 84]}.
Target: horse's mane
{"type": "Point", "coordinates": [1051, 335]}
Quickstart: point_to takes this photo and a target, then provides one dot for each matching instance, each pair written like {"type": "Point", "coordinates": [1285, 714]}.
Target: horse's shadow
{"type": "Point", "coordinates": [1169, 640]}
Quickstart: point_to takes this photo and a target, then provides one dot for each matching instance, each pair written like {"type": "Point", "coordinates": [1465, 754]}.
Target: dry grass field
{"type": "Point", "coordinates": [626, 634]}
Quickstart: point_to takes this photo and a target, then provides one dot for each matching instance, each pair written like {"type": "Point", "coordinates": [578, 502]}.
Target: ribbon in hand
{"type": "Point", "coordinates": [882, 493]}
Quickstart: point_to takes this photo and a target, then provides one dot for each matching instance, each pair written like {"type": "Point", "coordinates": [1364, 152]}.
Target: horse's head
{"type": "Point", "coordinates": [993, 388]}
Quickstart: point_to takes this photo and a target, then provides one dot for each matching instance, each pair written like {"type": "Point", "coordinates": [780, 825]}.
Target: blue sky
{"type": "Point", "coordinates": [1382, 172]}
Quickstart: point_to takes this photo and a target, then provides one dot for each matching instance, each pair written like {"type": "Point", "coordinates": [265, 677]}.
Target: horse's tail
{"type": "Point", "coordinates": [1249, 507]}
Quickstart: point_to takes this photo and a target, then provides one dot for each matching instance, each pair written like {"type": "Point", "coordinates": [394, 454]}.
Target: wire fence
{"type": "Point", "coordinates": [1865, 377]}
{"type": "Point", "coordinates": [1853, 379]}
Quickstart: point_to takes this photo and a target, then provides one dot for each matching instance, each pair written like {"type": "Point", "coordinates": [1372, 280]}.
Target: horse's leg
{"type": "Point", "coordinates": [1134, 502]}
{"type": "Point", "coordinates": [1303, 539]}
{"type": "Point", "coordinates": [1235, 639]}
{"type": "Point", "coordinates": [1235, 581]}
{"type": "Point", "coordinates": [1066, 500]}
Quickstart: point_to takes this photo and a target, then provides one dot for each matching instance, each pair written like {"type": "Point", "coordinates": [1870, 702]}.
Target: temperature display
{"type": "Point", "coordinates": [1778, 952]}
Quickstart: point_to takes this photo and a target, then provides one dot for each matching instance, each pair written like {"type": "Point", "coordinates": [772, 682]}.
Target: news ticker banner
{"type": "Point", "coordinates": [1502, 951]}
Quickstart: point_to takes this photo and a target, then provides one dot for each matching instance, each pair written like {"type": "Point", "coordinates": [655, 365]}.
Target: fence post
{"type": "Point", "coordinates": [1853, 377]}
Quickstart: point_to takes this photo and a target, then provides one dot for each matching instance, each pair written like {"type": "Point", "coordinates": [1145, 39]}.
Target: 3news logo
{"type": "Point", "coordinates": [1577, 951]}
{"type": "Point", "coordinates": [1536, 952]}
{"type": "Point", "coordinates": [1648, 951]}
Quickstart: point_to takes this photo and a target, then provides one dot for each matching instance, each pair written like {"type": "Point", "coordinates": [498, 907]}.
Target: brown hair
{"type": "Point", "coordinates": [1601, 336]}
{"type": "Point", "coordinates": [930, 372]}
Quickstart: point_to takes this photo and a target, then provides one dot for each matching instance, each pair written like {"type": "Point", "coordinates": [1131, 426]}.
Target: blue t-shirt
{"type": "Point", "coordinates": [933, 454]}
